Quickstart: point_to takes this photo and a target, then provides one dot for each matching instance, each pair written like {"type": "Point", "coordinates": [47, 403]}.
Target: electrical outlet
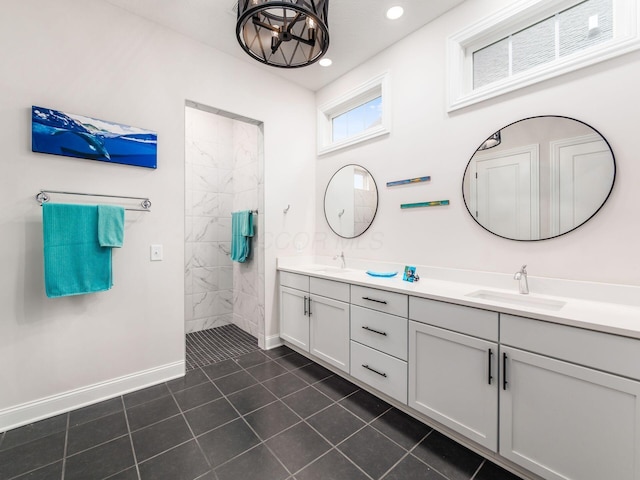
{"type": "Point", "coordinates": [156, 253]}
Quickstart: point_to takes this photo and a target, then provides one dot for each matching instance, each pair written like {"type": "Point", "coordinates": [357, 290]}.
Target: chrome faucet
{"type": "Point", "coordinates": [521, 276]}
{"type": "Point", "coordinates": [343, 262]}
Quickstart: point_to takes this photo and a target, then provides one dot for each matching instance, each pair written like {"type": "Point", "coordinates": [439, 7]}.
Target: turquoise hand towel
{"type": "Point", "coordinates": [246, 223]}
{"type": "Point", "coordinates": [241, 233]}
{"type": "Point", "coordinates": [74, 261]}
{"type": "Point", "coordinates": [110, 226]}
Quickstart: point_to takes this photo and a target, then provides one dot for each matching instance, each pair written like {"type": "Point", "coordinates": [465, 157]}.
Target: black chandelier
{"type": "Point", "coordinates": [283, 33]}
{"type": "Point", "coordinates": [493, 141]}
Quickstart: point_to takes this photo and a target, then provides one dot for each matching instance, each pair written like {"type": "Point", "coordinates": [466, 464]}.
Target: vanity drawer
{"type": "Point", "coordinates": [384, 332]}
{"type": "Point", "coordinates": [329, 288]}
{"type": "Point", "coordinates": [383, 372]}
{"type": "Point", "coordinates": [388, 302]}
{"type": "Point", "coordinates": [604, 351]}
{"type": "Point", "coordinates": [468, 320]}
{"type": "Point", "coordinates": [294, 280]}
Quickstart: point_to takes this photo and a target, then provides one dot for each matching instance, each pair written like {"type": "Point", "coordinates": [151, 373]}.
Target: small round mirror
{"type": "Point", "coordinates": [351, 201]}
{"type": "Point", "coordinates": [539, 178]}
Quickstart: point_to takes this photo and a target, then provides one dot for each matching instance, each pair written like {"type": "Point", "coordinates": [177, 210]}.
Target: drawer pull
{"type": "Point", "coordinates": [374, 300]}
{"type": "Point", "coordinates": [504, 371]}
{"type": "Point", "coordinates": [305, 306]}
{"type": "Point", "coordinates": [374, 331]}
{"type": "Point", "coordinates": [489, 369]}
{"type": "Point", "coordinates": [374, 370]}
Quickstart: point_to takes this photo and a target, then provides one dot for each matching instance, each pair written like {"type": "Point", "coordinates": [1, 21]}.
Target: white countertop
{"type": "Point", "coordinates": [603, 316]}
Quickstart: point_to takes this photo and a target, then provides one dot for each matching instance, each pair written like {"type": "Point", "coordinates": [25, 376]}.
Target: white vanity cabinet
{"type": "Point", "coordinates": [552, 398]}
{"type": "Point", "coordinates": [569, 401]}
{"type": "Point", "coordinates": [314, 316]}
{"type": "Point", "coordinates": [379, 340]}
{"type": "Point", "coordinates": [453, 369]}
{"type": "Point", "coordinates": [329, 321]}
{"type": "Point", "coordinates": [294, 318]}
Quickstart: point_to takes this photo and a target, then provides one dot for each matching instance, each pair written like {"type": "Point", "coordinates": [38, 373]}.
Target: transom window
{"type": "Point", "coordinates": [532, 40]}
{"type": "Point", "coordinates": [356, 116]}
{"type": "Point", "coordinates": [357, 120]}
{"type": "Point", "coordinates": [577, 28]}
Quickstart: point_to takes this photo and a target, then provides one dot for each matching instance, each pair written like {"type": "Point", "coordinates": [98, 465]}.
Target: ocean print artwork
{"type": "Point", "coordinates": [79, 136]}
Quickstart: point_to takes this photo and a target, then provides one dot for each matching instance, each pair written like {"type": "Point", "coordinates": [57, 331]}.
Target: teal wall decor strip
{"type": "Point", "coordinates": [408, 181]}
{"type": "Point", "coordinates": [435, 203]}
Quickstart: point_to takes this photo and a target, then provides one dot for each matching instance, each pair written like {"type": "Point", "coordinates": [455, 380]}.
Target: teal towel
{"type": "Point", "coordinates": [74, 261]}
{"type": "Point", "coordinates": [110, 226]}
{"type": "Point", "coordinates": [241, 233]}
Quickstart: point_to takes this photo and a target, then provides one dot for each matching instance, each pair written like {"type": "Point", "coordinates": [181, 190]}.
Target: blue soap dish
{"type": "Point", "coordinates": [382, 274]}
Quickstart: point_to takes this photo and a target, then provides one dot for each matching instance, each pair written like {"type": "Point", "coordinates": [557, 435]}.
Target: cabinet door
{"type": "Point", "coordinates": [294, 322]}
{"type": "Point", "coordinates": [329, 321]}
{"type": "Point", "coordinates": [453, 379]}
{"type": "Point", "coordinates": [566, 422]}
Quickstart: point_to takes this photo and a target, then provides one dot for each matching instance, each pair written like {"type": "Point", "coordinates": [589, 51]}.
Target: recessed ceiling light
{"type": "Point", "coordinates": [325, 62]}
{"type": "Point", "coordinates": [395, 12]}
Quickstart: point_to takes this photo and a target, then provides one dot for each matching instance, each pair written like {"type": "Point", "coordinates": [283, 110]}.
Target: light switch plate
{"type": "Point", "coordinates": [156, 253]}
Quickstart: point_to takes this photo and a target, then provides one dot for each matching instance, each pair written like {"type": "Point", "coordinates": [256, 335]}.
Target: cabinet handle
{"type": "Point", "coordinates": [374, 300]}
{"type": "Point", "coordinates": [490, 377]}
{"type": "Point", "coordinates": [309, 306]}
{"type": "Point", "coordinates": [375, 331]}
{"type": "Point", "coordinates": [504, 371]}
{"type": "Point", "coordinates": [374, 370]}
{"type": "Point", "coordinates": [305, 306]}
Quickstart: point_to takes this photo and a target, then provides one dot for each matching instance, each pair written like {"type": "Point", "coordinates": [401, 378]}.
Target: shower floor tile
{"type": "Point", "coordinates": [217, 344]}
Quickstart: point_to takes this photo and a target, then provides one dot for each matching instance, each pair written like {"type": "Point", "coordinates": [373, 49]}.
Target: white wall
{"type": "Point", "coordinates": [426, 140]}
{"type": "Point", "coordinates": [95, 59]}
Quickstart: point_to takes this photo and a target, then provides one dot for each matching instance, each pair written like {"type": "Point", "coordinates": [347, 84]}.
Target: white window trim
{"type": "Point", "coordinates": [460, 48]}
{"type": "Point", "coordinates": [378, 86]}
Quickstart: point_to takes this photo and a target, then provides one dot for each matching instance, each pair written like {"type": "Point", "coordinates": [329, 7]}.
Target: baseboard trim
{"type": "Point", "coordinates": [30, 412]}
{"type": "Point", "coordinates": [272, 341]}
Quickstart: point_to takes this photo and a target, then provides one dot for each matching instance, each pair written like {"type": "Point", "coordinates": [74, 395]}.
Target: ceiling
{"type": "Point", "coordinates": [358, 29]}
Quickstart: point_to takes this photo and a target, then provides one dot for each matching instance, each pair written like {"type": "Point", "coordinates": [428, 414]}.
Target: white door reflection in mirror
{"type": "Point", "coordinates": [580, 176]}
{"type": "Point", "coordinates": [506, 192]}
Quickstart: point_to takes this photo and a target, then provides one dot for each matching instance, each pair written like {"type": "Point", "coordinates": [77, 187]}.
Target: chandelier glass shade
{"type": "Point", "coordinates": [283, 33]}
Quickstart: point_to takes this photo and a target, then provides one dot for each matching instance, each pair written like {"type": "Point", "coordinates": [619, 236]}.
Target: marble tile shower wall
{"type": "Point", "coordinates": [224, 172]}
{"type": "Point", "coordinates": [248, 278]}
{"type": "Point", "coordinates": [364, 206]}
{"type": "Point", "coordinates": [208, 203]}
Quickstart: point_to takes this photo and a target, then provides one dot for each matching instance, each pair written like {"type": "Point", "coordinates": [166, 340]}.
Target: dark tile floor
{"type": "Point", "coordinates": [263, 415]}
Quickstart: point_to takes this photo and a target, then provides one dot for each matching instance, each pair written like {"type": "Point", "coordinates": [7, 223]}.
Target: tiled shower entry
{"type": "Point", "coordinates": [216, 344]}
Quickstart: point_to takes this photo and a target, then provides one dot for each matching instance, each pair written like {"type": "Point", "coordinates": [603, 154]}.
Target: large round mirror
{"type": "Point", "coordinates": [539, 178]}
{"type": "Point", "coordinates": [351, 201]}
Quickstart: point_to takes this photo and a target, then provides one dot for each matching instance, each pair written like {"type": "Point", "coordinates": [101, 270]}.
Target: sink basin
{"type": "Point", "coordinates": [518, 299]}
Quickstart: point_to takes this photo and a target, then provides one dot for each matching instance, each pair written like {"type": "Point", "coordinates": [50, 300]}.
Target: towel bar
{"type": "Point", "coordinates": [145, 203]}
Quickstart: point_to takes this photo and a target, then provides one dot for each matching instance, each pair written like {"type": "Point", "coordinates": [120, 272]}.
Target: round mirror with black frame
{"type": "Point", "coordinates": [539, 178]}
{"type": "Point", "coordinates": [351, 201]}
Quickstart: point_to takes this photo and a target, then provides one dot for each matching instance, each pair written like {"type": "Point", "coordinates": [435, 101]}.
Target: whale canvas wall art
{"type": "Point", "coordinates": [79, 136]}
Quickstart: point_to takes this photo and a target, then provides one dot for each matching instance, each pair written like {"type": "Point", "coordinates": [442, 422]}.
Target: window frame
{"type": "Point", "coordinates": [376, 87]}
{"type": "Point", "coordinates": [515, 17]}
